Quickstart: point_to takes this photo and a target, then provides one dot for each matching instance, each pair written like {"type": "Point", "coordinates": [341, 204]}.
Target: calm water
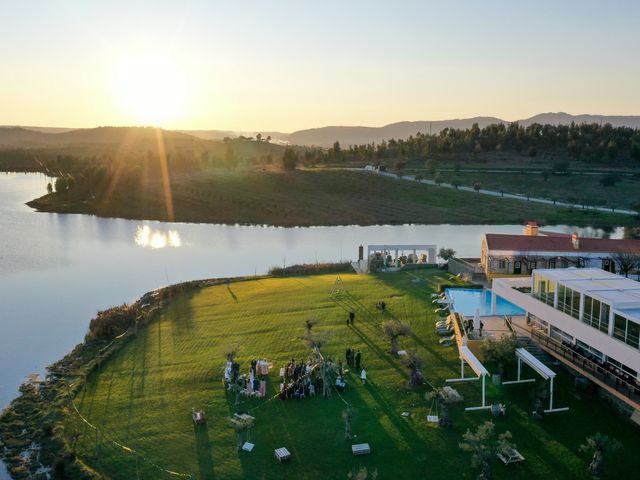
{"type": "Point", "coordinates": [57, 270]}
{"type": "Point", "coordinates": [468, 300]}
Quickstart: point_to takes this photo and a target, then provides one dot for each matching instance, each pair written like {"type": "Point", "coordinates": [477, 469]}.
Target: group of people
{"type": "Point", "coordinates": [293, 371]}
{"type": "Point", "coordinates": [248, 384]}
{"type": "Point", "coordinates": [303, 379]}
{"type": "Point", "coordinates": [381, 306]}
{"type": "Point", "coordinates": [469, 326]}
{"type": "Point", "coordinates": [354, 360]}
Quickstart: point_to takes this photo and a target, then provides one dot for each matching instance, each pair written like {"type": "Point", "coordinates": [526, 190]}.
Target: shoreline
{"type": "Point", "coordinates": [313, 198]}
{"type": "Point", "coordinates": [28, 423]}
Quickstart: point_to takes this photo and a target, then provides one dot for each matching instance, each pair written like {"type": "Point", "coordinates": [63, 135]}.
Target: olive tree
{"type": "Point", "coordinates": [393, 330]}
{"type": "Point", "coordinates": [596, 446]}
{"type": "Point", "coordinates": [483, 446]}
{"type": "Point", "coordinates": [500, 351]}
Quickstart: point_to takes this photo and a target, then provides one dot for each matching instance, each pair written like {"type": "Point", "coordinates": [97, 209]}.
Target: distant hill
{"type": "Point", "coordinates": [26, 137]}
{"type": "Point", "coordinates": [320, 137]}
{"type": "Point", "coordinates": [324, 137]}
{"type": "Point", "coordinates": [561, 118]}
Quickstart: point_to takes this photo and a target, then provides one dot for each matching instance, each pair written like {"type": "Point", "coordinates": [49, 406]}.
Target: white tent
{"type": "Point", "coordinates": [541, 369]}
{"type": "Point", "coordinates": [467, 356]}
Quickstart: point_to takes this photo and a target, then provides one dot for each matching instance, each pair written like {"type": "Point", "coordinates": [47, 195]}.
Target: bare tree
{"type": "Point", "coordinates": [626, 261]}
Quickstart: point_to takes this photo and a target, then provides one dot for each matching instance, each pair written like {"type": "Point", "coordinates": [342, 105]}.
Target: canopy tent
{"type": "Point", "coordinates": [467, 356]}
{"type": "Point", "coordinates": [541, 369]}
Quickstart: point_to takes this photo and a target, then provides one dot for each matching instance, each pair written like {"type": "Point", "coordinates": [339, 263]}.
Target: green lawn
{"type": "Point", "coordinates": [577, 189]}
{"type": "Point", "coordinates": [143, 396]}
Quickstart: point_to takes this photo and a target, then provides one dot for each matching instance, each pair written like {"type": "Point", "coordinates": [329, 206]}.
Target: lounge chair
{"type": "Point", "coordinates": [447, 341]}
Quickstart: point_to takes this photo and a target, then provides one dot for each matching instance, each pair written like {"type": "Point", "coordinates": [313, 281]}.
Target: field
{"type": "Point", "coordinates": [142, 397]}
{"type": "Point", "coordinates": [573, 188]}
{"type": "Point", "coordinates": [314, 197]}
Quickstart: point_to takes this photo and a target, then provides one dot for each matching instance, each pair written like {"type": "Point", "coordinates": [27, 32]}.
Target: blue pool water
{"type": "Point", "coordinates": [468, 300]}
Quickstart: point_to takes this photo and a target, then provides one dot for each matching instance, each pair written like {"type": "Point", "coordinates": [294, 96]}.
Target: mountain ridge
{"type": "Point", "coordinates": [318, 136]}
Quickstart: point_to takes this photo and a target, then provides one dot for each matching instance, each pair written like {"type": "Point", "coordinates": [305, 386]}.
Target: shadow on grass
{"type": "Point", "coordinates": [233, 295]}
{"type": "Point", "coordinates": [203, 452]}
{"type": "Point", "coordinates": [378, 351]}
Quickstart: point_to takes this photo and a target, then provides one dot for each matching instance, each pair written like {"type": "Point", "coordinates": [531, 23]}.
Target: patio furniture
{"type": "Point", "coordinates": [248, 446]}
{"type": "Point", "coordinates": [510, 455]}
{"type": "Point", "coordinates": [361, 449]}
{"type": "Point", "coordinates": [282, 454]}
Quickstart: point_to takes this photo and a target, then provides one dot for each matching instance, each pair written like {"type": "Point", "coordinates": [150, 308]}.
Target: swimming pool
{"type": "Point", "coordinates": [468, 300]}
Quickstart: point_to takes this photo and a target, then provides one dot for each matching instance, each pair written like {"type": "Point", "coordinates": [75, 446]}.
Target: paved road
{"type": "Point", "coordinates": [494, 193]}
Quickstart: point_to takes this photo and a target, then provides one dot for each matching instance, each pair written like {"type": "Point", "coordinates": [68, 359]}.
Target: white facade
{"type": "Point", "coordinates": [587, 307]}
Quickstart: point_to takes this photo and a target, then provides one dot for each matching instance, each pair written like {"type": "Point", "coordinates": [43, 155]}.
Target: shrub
{"type": "Point", "coordinates": [110, 323]}
{"type": "Point", "coordinates": [310, 269]}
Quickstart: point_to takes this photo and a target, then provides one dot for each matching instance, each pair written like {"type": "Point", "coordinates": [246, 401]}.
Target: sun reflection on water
{"type": "Point", "coordinates": [145, 237]}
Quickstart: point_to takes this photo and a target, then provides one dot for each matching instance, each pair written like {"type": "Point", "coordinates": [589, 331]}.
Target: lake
{"type": "Point", "coordinates": [57, 270]}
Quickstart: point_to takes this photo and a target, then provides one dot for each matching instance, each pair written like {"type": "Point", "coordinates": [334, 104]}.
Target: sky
{"type": "Point", "coordinates": [290, 65]}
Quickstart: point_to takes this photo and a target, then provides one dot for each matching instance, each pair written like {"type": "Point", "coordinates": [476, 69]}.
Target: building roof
{"type": "Point", "coordinates": [556, 243]}
{"type": "Point", "coordinates": [623, 294]}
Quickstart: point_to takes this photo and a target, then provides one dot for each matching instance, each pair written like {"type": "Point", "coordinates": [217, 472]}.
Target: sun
{"type": "Point", "coordinates": [151, 88]}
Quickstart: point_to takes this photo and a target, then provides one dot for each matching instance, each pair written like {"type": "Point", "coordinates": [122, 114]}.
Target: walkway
{"type": "Point", "coordinates": [494, 193]}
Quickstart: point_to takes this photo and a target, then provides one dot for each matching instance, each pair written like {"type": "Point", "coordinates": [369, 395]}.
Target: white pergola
{"type": "Point", "coordinates": [430, 249]}
{"type": "Point", "coordinates": [541, 369]}
{"type": "Point", "coordinates": [467, 356]}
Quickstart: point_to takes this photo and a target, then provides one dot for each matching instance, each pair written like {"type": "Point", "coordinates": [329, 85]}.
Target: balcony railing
{"type": "Point", "coordinates": [614, 378]}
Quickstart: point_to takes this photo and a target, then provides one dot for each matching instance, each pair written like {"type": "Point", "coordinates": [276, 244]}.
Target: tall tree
{"type": "Point", "coordinates": [289, 159]}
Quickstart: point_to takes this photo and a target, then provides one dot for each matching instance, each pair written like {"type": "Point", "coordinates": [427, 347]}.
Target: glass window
{"type": "Point", "coordinates": [619, 327]}
{"type": "Point", "coordinates": [622, 367]}
{"type": "Point", "coordinates": [633, 333]}
{"type": "Point", "coordinates": [560, 335]}
{"type": "Point", "coordinates": [604, 317]}
{"type": "Point", "coordinates": [626, 330]}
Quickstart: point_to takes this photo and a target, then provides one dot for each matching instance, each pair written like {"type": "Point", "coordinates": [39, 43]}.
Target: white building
{"type": "Point", "coordinates": [588, 318]}
{"type": "Point", "coordinates": [521, 254]}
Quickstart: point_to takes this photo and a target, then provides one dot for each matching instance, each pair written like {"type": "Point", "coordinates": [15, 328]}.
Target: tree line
{"type": "Point", "coordinates": [593, 143]}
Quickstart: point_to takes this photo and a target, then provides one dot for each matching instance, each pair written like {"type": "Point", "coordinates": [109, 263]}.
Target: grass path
{"type": "Point", "coordinates": [144, 395]}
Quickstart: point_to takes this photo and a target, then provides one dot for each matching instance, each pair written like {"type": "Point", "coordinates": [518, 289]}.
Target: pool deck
{"type": "Point", "coordinates": [494, 328]}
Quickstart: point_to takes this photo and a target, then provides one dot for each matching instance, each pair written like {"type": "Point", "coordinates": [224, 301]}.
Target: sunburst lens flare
{"type": "Point", "coordinates": [151, 88]}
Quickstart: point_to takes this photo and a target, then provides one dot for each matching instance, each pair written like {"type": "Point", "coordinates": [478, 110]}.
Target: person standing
{"type": "Point", "coordinates": [349, 356]}
{"type": "Point", "coordinates": [363, 376]}
{"type": "Point", "coordinates": [358, 359]}
{"type": "Point", "coordinates": [352, 316]}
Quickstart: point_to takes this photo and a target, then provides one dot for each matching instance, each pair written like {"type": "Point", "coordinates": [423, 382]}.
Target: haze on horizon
{"type": "Point", "coordinates": [248, 67]}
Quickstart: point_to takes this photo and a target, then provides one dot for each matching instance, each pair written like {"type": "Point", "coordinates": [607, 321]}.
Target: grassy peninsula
{"type": "Point", "coordinates": [308, 197]}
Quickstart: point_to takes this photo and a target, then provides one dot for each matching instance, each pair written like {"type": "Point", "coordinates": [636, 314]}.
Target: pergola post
{"type": "Point", "coordinates": [551, 395]}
